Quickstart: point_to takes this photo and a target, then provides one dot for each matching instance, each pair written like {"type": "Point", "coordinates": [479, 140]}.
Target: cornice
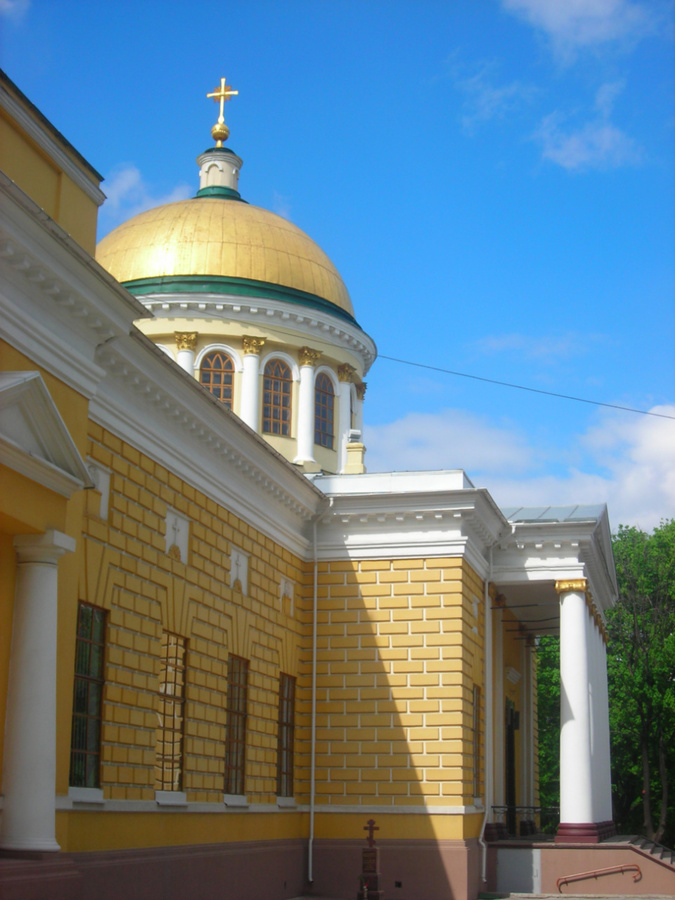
{"type": "Point", "coordinates": [57, 303]}
{"type": "Point", "coordinates": [264, 313]}
{"type": "Point", "coordinates": [559, 551]}
{"type": "Point", "coordinates": [404, 523]}
{"type": "Point", "coordinates": [148, 399]}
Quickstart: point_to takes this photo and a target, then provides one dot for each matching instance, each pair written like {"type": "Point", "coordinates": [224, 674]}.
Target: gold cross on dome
{"type": "Point", "coordinates": [222, 94]}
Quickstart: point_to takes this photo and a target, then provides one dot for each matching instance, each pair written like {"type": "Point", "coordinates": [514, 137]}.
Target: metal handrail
{"type": "Point", "coordinates": [594, 874]}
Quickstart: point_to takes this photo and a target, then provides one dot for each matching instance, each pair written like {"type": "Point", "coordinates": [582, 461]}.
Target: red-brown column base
{"type": "Point", "coordinates": [584, 833]}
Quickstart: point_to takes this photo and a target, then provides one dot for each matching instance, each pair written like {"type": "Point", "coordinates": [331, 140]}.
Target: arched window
{"type": "Point", "coordinates": [216, 373]}
{"type": "Point", "coordinates": [324, 408]}
{"type": "Point", "coordinates": [277, 398]}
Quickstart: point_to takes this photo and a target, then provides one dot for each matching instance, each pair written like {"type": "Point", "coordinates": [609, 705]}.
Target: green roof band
{"type": "Point", "coordinates": [240, 287]}
{"type": "Point", "coordinates": [217, 190]}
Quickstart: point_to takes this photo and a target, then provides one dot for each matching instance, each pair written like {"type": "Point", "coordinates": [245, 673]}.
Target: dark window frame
{"type": "Point", "coordinates": [476, 749]}
{"type": "Point", "coordinates": [88, 687]}
{"type": "Point", "coordinates": [286, 735]}
{"type": "Point", "coordinates": [277, 398]}
{"type": "Point", "coordinates": [235, 729]}
{"type": "Point", "coordinates": [170, 732]}
{"type": "Point", "coordinates": [324, 411]}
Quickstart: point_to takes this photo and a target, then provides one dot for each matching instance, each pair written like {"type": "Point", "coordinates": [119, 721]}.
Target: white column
{"type": "Point", "coordinates": [360, 395]}
{"type": "Point", "coordinates": [250, 382]}
{"type": "Point", "coordinates": [29, 768]}
{"type": "Point", "coordinates": [186, 344]}
{"type": "Point", "coordinates": [308, 360]}
{"type": "Point", "coordinates": [345, 376]}
{"type": "Point", "coordinates": [576, 781]}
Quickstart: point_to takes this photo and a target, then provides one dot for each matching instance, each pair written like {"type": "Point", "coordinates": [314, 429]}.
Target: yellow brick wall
{"type": "Point", "coordinates": [397, 659]}
{"type": "Point", "coordinates": [124, 568]}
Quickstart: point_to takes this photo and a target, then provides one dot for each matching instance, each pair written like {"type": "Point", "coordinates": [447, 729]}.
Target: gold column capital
{"type": "Point", "coordinates": [361, 389]}
{"type": "Point", "coordinates": [346, 373]}
{"type": "Point", "coordinates": [252, 345]}
{"type": "Point", "coordinates": [186, 340]}
{"type": "Point", "coordinates": [308, 357]}
{"type": "Point", "coordinates": [577, 585]}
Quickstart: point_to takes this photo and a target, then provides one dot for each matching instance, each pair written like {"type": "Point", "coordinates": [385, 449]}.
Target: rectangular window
{"type": "Point", "coordinates": [286, 736]}
{"type": "Point", "coordinates": [170, 714]}
{"type": "Point", "coordinates": [235, 734]}
{"type": "Point", "coordinates": [85, 746]}
{"type": "Point", "coordinates": [475, 727]}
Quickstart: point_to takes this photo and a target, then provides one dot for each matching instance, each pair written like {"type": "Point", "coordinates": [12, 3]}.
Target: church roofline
{"type": "Point", "coordinates": [49, 139]}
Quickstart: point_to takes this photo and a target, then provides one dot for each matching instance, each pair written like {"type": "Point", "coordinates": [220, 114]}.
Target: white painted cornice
{"type": "Point", "coordinates": [50, 141]}
{"type": "Point", "coordinates": [408, 515]}
{"type": "Point", "coordinates": [563, 550]}
{"type": "Point", "coordinates": [264, 313]}
{"type": "Point", "coordinates": [149, 400]}
{"type": "Point", "coordinates": [56, 303]}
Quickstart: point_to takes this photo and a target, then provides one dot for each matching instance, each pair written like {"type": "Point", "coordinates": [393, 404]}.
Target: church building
{"type": "Point", "coordinates": [230, 657]}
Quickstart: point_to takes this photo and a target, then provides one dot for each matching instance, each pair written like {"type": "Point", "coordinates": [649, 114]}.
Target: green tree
{"type": "Point", "coordinates": [548, 721]}
{"type": "Point", "coordinates": [641, 672]}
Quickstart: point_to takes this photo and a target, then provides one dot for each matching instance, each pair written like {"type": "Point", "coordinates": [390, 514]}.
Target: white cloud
{"type": "Point", "coordinates": [629, 461]}
{"type": "Point", "coordinates": [485, 99]}
{"type": "Point", "coordinates": [281, 205]}
{"type": "Point", "coordinates": [127, 195]}
{"type": "Point", "coordinates": [596, 145]}
{"type": "Point", "coordinates": [427, 441]}
{"type": "Point", "coordinates": [547, 349]}
{"type": "Point", "coordinates": [14, 9]}
{"type": "Point", "coordinates": [576, 24]}
{"type": "Point", "coordinates": [606, 95]}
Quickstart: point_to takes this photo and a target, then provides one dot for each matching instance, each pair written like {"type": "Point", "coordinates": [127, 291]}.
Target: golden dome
{"type": "Point", "coordinates": [224, 242]}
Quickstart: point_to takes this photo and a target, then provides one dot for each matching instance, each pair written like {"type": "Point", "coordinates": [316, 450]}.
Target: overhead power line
{"type": "Point", "coordinates": [522, 387]}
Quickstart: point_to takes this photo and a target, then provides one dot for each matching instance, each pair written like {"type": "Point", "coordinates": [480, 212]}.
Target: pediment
{"type": "Point", "coordinates": [34, 439]}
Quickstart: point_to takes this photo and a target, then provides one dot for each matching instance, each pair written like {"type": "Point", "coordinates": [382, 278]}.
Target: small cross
{"type": "Point", "coordinates": [370, 828]}
{"type": "Point", "coordinates": [222, 94]}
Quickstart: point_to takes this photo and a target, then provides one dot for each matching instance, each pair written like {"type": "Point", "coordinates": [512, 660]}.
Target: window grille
{"type": "Point", "coordinates": [85, 747]}
{"type": "Point", "coordinates": [235, 733]}
{"type": "Point", "coordinates": [475, 728]}
{"type": "Point", "coordinates": [170, 714]}
{"type": "Point", "coordinates": [217, 373]}
{"type": "Point", "coordinates": [277, 398]}
{"type": "Point", "coordinates": [286, 736]}
{"type": "Point", "coordinates": [324, 411]}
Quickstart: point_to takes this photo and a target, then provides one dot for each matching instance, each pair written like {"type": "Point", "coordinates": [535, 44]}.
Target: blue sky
{"type": "Point", "coordinates": [495, 181]}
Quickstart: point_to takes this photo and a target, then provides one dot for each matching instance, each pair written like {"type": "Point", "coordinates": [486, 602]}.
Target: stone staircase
{"type": "Point", "coordinates": [657, 851]}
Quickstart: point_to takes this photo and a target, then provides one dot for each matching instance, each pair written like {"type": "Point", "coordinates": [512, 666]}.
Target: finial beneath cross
{"type": "Point", "coordinates": [371, 827]}
{"type": "Point", "coordinates": [221, 95]}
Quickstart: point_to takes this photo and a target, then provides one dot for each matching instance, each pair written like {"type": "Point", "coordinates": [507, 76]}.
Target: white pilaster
{"type": "Point", "coordinates": [250, 382]}
{"type": "Point", "coordinates": [576, 781]}
{"type": "Point", "coordinates": [345, 375]}
{"type": "Point", "coordinates": [358, 410]}
{"type": "Point", "coordinates": [29, 768]}
{"type": "Point", "coordinates": [186, 344]}
{"type": "Point", "coordinates": [308, 360]}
